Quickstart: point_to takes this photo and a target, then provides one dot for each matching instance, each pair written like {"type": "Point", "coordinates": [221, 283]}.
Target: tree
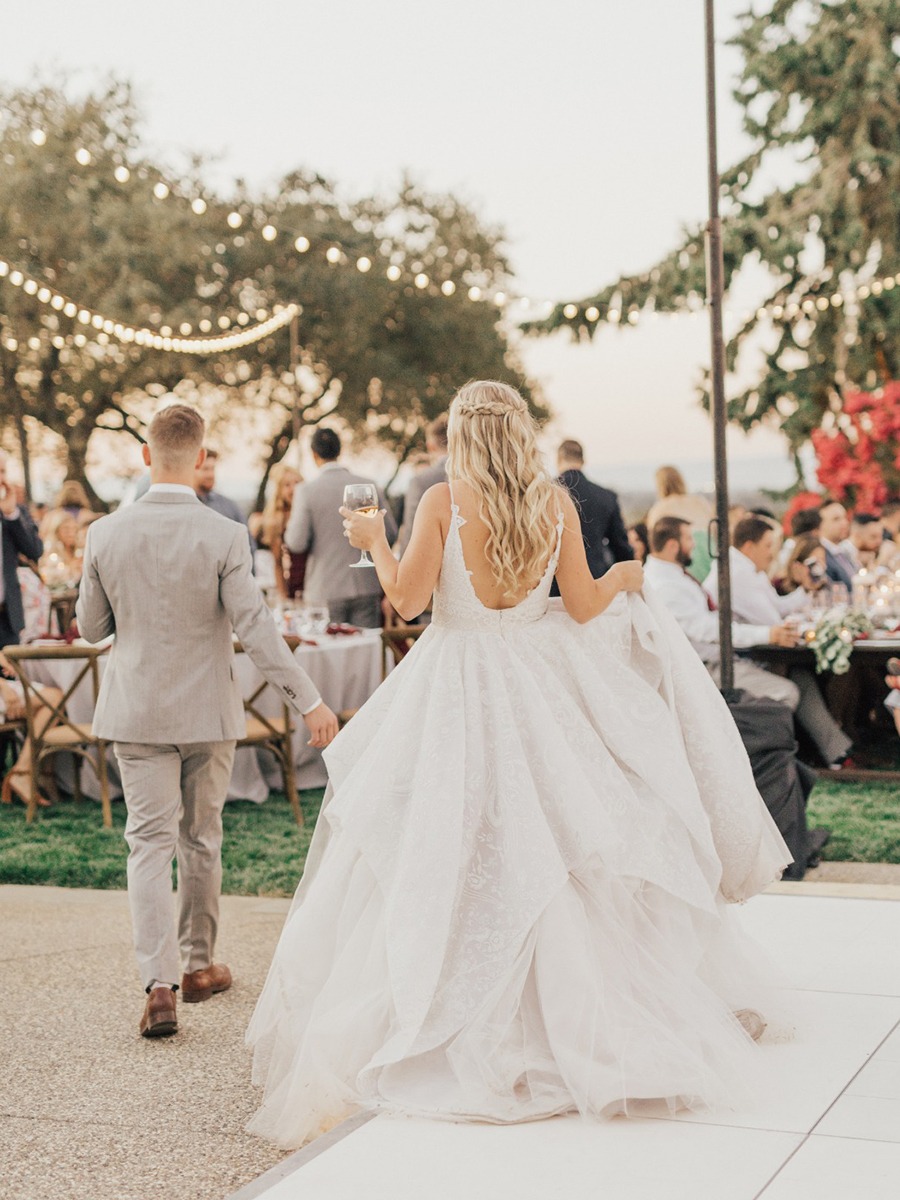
{"type": "Point", "coordinates": [820, 90]}
{"type": "Point", "coordinates": [114, 232]}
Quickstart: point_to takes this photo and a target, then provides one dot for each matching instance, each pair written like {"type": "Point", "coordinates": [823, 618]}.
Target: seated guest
{"type": "Point", "coordinates": [834, 528]}
{"type": "Point", "coordinates": [804, 521]}
{"type": "Point", "coordinates": [74, 499]}
{"type": "Point", "coordinates": [754, 601]}
{"type": "Point", "coordinates": [61, 561]}
{"type": "Point", "coordinates": [639, 540]}
{"type": "Point", "coordinates": [865, 541]}
{"type": "Point", "coordinates": [665, 571]}
{"type": "Point", "coordinates": [805, 567]}
{"type": "Point", "coordinates": [753, 598]}
{"type": "Point", "coordinates": [890, 524]}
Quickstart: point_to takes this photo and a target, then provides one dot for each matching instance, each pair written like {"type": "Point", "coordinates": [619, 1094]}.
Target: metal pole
{"type": "Point", "coordinates": [715, 288]}
{"type": "Point", "coordinates": [295, 358]}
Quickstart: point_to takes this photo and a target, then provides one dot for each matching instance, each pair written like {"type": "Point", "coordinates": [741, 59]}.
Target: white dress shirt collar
{"type": "Point", "coordinates": [180, 489]}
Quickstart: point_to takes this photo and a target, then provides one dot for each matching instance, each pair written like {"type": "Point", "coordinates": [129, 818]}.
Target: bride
{"type": "Point", "coordinates": [514, 903]}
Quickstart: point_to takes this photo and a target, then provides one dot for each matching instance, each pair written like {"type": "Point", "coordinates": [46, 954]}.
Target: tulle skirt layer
{"type": "Point", "coordinates": [514, 904]}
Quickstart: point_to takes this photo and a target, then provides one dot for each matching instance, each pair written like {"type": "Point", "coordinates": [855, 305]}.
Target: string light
{"type": "Point", "coordinates": [269, 232]}
{"type": "Point", "coordinates": [164, 340]}
{"type": "Point", "coordinates": [301, 244]}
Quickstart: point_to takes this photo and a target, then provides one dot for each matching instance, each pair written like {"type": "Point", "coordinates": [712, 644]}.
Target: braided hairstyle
{"type": "Point", "coordinates": [493, 448]}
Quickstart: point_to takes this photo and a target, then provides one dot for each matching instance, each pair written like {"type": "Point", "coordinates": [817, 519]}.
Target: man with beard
{"type": "Point", "coordinates": [665, 570]}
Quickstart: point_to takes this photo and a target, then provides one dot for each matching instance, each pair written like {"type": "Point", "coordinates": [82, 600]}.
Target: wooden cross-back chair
{"type": "Point", "coordinates": [397, 641]}
{"type": "Point", "coordinates": [275, 734]}
{"type": "Point", "coordinates": [60, 734]}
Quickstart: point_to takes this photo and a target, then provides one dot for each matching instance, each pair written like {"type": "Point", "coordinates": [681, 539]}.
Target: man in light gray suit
{"type": "Point", "coordinates": [436, 445]}
{"type": "Point", "coordinates": [317, 527]}
{"type": "Point", "coordinates": [171, 580]}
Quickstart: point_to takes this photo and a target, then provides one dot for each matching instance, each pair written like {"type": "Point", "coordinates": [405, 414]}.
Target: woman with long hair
{"type": "Point", "coordinates": [290, 568]}
{"type": "Point", "coordinates": [514, 904]}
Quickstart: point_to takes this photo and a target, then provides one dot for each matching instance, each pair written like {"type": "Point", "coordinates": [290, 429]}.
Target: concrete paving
{"type": "Point", "coordinates": [91, 1110]}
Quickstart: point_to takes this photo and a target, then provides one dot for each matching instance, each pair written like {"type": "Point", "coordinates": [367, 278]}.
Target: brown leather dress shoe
{"type": "Point", "coordinates": [200, 985]}
{"type": "Point", "coordinates": [159, 1019]}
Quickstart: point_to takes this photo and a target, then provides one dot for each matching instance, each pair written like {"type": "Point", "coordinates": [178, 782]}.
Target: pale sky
{"type": "Point", "coordinates": [578, 125]}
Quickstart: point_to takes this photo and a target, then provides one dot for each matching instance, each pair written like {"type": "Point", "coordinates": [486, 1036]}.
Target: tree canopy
{"type": "Point", "coordinates": [85, 210]}
{"type": "Point", "coordinates": [820, 93]}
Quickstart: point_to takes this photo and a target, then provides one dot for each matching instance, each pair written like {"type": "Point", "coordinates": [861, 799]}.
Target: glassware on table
{"type": "Point", "coordinates": [362, 498]}
{"type": "Point", "coordinates": [840, 595]}
{"type": "Point", "coordinates": [319, 617]}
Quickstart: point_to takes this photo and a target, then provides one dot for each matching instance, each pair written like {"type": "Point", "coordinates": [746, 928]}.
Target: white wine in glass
{"type": "Point", "coordinates": [362, 498]}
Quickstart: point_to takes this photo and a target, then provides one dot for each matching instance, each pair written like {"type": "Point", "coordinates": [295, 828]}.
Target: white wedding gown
{"type": "Point", "coordinates": [514, 901]}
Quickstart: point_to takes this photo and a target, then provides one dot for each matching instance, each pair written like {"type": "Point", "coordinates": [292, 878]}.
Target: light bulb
{"type": "Point", "coordinates": [184, 328]}
{"type": "Point", "coordinates": [44, 295]}
{"type": "Point", "coordinates": [30, 287]}
{"type": "Point", "coordinates": [393, 272]}
{"type": "Point", "coordinates": [363, 264]}
{"type": "Point", "coordinates": [592, 313]}
{"type": "Point", "coordinates": [269, 232]}
{"type": "Point", "coordinates": [82, 156]}
{"type": "Point", "coordinates": [38, 137]}
{"type": "Point", "coordinates": [122, 174]}
{"type": "Point", "coordinates": [198, 205]}
{"type": "Point", "coordinates": [448, 287]}
{"type": "Point", "coordinates": [57, 302]}
{"type": "Point", "coordinates": [333, 254]}
{"type": "Point", "coordinates": [570, 311]}
{"type": "Point", "coordinates": [474, 293]}
{"type": "Point", "coordinates": [70, 309]}
{"type": "Point", "coordinates": [160, 190]}
{"type": "Point", "coordinates": [16, 278]}
{"type": "Point", "coordinates": [301, 244]}
{"type": "Point", "coordinates": [235, 220]}
{"type": "Point", "coordinates": [421, 280]}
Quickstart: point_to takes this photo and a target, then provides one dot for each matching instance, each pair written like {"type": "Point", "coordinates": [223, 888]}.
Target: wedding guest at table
{"type": "Point", "coordinates": [890, 523]}
{"type": "Point", "coordinates": [676, 501]}
{"type": "Point", "coordinates": [204, 486]}
{"type": "Point", "coordinates": [665, 571]}
{"type": "Point", "coordinates": [436, 472]}
{"type": "Point", "coordinates": [865, 541]}
{"type": "Point", "coordinates": [74, 499]}
{"type": "Point", "coordinates": [18, 779]}
{"type": "Point", "coordinates": [315, 527]}
{"type": "Point", "coordinates": [755, 602]}
{"type": "Point", "coordinates": [805, 568]}
{"type": "Point", "coordinates": [289, 568]}
{"type": "Point", "coordinates": [804, 521]}
{"type": "Point", "coordinates": [18, 535]}
{"type": "Point", "coordinates": [639, 540]}
{"type": "Point", "coordinates": [834, 529]}
{"type": "Point", "coordinates": [62, 560]}
{"type": "Point", "coordinates": [602, 528]}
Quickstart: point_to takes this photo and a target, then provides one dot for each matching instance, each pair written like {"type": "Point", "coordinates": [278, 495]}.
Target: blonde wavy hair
{"type": "Point", "coordinates": [277, 510]}
{"type": "Point", "coordinates": [493, 448]}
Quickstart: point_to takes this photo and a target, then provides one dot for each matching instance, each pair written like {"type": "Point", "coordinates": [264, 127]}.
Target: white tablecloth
{"type": "Point", "coordinates": [346, 670]}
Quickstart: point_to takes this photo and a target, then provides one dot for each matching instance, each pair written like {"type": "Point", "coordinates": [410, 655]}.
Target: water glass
{"type": "Point", "coordinates": [318, 617]}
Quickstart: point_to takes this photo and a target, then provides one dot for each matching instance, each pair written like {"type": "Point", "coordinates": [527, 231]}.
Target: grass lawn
{"type": "Point", "coordinates": [264, 851]}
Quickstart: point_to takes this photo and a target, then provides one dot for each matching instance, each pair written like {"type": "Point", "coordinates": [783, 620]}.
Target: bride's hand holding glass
{"type": "Point", "coordinates": [363, 525]}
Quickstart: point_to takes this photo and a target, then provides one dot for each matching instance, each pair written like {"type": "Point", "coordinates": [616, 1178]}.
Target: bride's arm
{"type": "Point", "coordinates": [409, 583]}
{"type": "Point", "coordinates": [584, 596]}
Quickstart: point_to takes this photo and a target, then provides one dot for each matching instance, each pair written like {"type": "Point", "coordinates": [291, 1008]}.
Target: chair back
{"type": "Point", "coordinates": [397, 641]}
{"type": "Point", "coordinates": [251, 702]}
{"type": "Point", "coordinates": [21, 656]}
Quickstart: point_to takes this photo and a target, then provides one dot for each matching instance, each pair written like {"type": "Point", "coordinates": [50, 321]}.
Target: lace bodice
{"type": "Point", "coordinates": [456, 606]}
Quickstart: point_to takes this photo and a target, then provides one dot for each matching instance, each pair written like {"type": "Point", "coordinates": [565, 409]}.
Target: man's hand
{"type": "Point", "coordinates": [322, 725]}
{"type": "Point", "coordinates": [784, 635]}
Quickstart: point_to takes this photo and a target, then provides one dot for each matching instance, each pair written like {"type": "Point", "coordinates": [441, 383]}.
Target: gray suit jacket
{"type": "Point", "coordinates": [316, 526]}
{"type": "Point", "coordinates": [171, 579]}
{"type": "Point", "coordinates": [418, 486]}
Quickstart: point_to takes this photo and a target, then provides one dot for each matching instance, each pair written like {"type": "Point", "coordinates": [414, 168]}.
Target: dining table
{"type": "Point", "coordinates": [346, 668]}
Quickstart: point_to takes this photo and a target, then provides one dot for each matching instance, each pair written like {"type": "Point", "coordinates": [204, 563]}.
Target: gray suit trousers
{"type": "Point", "coordinates": [174, 796]}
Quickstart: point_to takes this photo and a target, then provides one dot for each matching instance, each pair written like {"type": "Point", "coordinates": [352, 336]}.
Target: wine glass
{"type": "Point", "coordinates": [363, 498]}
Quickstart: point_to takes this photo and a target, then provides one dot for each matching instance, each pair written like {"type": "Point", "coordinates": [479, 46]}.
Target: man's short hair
{"type": "Point", "coordinates": [806, 520]}
{"type": "Point", "coordinates": [436, 430]}
{"type": "Point", "coordinates": [571, 450]}
{"type": "Point", "coordinates": [751, 529]}
{"type": "Point", "coordinates": [863, 519]}
{"type": "Point", "coordinates": [211, 455]}
{"type": "Point", "coordinates": [175, 437]}
{"type": "Point", "coordinates": [830, 503]}
{"type": "Point", "coordinates": [326, 444]}
{"type": "Point", "coordinates": [665, 529]}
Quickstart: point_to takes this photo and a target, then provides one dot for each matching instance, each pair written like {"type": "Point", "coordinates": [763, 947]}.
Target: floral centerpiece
{"type": "Point", "coordinates": [832, 640]}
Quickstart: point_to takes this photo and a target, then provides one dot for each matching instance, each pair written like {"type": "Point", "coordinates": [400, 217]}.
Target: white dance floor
{"type": "Point", "coordinates": [831, 1131]}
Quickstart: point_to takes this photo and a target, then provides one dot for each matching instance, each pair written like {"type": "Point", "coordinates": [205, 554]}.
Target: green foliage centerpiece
{"type": "Point", "coordinates": [833, 637]}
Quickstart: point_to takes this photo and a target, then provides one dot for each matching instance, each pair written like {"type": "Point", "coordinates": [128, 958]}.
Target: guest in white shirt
{"type": "Point", "coordinates": [754, 600]}
{"type": "Point", "coordinates": [665, 570]}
